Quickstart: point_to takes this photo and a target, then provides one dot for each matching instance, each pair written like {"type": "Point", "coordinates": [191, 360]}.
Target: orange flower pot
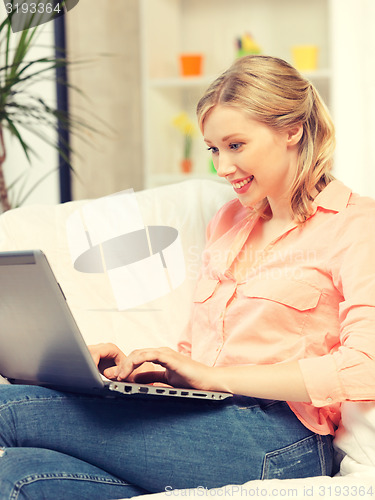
{"type": "Point", "coordinates": [186, 165]}
{"type": "Point", "coordinates": [191, 64]}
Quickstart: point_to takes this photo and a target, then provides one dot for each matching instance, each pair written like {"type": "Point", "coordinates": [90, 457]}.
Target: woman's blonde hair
{"type": "Point", "coordinates": [277, 95]}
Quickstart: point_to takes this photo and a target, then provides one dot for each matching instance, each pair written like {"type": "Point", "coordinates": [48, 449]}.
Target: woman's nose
{"type": "Point", "coordinates": [224, 166]}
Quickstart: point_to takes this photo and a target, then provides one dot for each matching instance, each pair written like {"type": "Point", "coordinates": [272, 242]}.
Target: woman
{"type": "Point", "coordinates": [283, 318]}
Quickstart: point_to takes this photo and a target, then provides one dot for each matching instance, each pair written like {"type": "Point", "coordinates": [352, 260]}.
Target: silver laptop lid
{"type": "Point", "coordinates": [37, 327]}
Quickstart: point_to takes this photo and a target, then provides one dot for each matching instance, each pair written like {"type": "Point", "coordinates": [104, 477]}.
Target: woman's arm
{"type": "Point", "coordinates": [281, 381]}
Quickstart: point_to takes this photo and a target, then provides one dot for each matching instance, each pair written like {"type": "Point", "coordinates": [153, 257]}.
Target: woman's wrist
{"type": "Point", "coordinates": [281, 381]}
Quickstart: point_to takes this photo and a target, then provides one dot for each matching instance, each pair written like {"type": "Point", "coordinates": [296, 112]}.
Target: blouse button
{"type": "Point", "coordinates": [329, 400]}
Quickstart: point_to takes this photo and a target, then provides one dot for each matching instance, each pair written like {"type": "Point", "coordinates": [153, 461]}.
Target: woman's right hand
{"type": "Point", "coordinates": [107, 357]}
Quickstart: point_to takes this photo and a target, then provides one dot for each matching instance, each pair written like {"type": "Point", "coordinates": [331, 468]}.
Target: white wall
{"type": "Point", "coordinates": [353, 61]}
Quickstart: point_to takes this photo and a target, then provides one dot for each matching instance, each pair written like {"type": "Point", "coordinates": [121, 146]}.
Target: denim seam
{"type": "Point", "coordinates": [28, 400]}
{"type": "Point", "coordinates": [57, 398]}
{"type": "Point", "coordinates": [321, 454]}
{"type": "Point", "coordinates": [281, 450]}
{"type": "Point", "coordinates": [63, 476]}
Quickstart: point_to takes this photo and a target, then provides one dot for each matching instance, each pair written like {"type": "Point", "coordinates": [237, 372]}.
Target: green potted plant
{"type": "Point", "coordinates": [20, 108]}
{"type": "Point", "coordinates": [183, 123]}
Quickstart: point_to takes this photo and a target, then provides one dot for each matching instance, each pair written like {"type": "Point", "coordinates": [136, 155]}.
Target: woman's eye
{"type": "Point", "coordinates": [235, 145]}
{"type": "Point", "coordinates": [213, 150]}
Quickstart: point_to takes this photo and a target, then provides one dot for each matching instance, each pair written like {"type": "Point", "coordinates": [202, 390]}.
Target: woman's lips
{"type": "Point", "coordinates": [242, 186]}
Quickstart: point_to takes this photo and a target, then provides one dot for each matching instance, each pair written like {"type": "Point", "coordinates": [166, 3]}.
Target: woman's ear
{"type": "Point", "coordinates": [294, 134]}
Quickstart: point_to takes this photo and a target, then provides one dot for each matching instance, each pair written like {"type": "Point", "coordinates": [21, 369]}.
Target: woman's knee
{"type": "Point", "coordinates": [15, 469]}
{"type": "Point", "coordinates": [19, 407]}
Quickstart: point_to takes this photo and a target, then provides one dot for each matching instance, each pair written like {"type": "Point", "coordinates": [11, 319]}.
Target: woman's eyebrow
{"type": "Point", "coordinates": [227, 137]}
{"type": "Point", "coordinates": [223, 139]}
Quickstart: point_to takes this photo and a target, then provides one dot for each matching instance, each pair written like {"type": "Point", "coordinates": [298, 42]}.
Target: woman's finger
{"type": "Point", "coordinates": [164, 357]}
{"type": "Point", "coordinates": [106, 354]}
{"type": "Point", "coordinates": [151, 377]}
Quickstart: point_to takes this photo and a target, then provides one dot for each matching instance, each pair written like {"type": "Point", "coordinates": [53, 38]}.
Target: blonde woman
{"type": "Point", "coordinates": [283, 318]}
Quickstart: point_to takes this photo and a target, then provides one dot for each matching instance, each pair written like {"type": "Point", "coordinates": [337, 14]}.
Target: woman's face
{"type": "Point", "coordinates": [258, 161]}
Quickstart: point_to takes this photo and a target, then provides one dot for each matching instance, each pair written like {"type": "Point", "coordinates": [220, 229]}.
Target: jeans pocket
{"type": "Point", "coordinates": [309, 457]}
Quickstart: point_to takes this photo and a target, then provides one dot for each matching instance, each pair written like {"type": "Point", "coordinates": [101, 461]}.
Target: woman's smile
{"type": "Point", "coordinates": [243, 185]}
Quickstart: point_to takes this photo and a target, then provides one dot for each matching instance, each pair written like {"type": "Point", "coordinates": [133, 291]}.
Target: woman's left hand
{"type": "Point", "coordinates": [178, 370]}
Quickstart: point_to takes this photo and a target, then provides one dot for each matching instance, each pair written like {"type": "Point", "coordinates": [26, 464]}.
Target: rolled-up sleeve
{"type": "Point", "coordinates": [348, 373]}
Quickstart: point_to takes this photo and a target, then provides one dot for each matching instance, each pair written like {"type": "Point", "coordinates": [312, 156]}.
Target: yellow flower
{"type": "Point", "coordinates": [183, 123]}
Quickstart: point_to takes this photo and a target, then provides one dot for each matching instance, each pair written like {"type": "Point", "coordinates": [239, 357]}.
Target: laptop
{"type": "Point", "coordinates": [40, 342]}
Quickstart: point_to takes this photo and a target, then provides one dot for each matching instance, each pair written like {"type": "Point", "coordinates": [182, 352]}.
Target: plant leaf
{"type": "Point", "coordinates": [13, 129]}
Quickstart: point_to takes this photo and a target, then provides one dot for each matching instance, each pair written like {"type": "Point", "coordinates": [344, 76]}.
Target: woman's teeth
{"type": "Point", "coordinates": [239, 185]}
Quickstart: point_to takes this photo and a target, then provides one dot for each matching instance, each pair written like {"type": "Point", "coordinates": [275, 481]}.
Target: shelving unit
{"type": "Point", "coordinates": [169, 27]}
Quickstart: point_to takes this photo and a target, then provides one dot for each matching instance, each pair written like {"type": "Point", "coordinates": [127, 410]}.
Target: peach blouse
{"type": "Point", "coordinates": [310, 296]}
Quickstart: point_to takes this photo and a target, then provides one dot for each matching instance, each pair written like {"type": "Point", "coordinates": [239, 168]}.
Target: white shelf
{"type": "Point", "coordinates": [181, 82]}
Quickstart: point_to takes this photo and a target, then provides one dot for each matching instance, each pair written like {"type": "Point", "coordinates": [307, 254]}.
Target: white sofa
{"type": "Point", "coordinates": [186, 206]}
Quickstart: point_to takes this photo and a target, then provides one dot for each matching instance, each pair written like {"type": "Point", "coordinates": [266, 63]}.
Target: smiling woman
{"type": "Point", "coordinates": [282, 318]}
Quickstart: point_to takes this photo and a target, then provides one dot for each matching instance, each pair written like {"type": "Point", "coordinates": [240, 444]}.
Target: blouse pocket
{"type": "Point", "coordinates": [204, 290]}
{"type": "Point", "coordinates": [292, 293]}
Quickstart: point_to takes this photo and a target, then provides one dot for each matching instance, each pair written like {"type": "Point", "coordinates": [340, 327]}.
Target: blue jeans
{"type": "Point", "coordinates": [59, 445]}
